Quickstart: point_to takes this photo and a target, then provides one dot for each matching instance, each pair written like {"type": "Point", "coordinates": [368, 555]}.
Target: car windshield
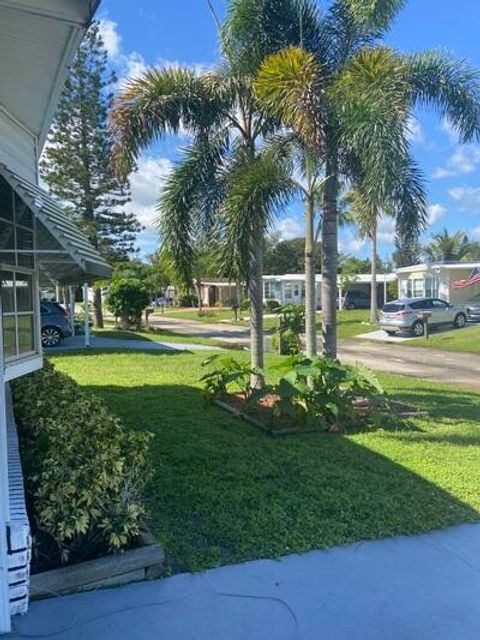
{"type": "Point", "coordinates": [393, 307]}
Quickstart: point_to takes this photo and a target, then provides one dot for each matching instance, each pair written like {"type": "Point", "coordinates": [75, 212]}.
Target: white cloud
{"type": "Point", "coordinates": [386, 230]}
{"type": "Point", "coordinates": [111, 38]}
{"type": "Point", "coordinates": [414, 131]}
{"type": "Point", "coordinates": [289, 228]}
{"type": "Point", "coordinates": [463, 161]}
{"type": "Point", "coordinates": [351, 244]}
{"type": "Point", "coordinates": [448, 128]}
{"type": "Point", "coordinates": [476, 232]}
{"type": "Point", "coordinates": [146, 184]}
{"type": "Point", "coordinates": [468, 198]}
{"type": "Point", "coordinates": [435, 213]}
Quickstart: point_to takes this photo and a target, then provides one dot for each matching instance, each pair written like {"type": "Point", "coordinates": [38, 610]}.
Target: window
{"type": "Point", "coordinates": [418, 288]}
{"type": "Point", "coordinates": [287, 291]}
{"type": "Point", "coordinates": [429, 287]}
{"type": "Point", "coordinates": [17, 281]}
{"type": "Point", "coordinates": [439, 304]}
{"type": "Point", "coordinates": [269, 290]}
{"type": "Point", "coordinates": [296, 290]}
{"type": "Point", "coordinates": [18, 313]}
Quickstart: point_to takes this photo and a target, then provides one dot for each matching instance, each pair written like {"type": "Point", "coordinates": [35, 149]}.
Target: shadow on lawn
{"type": "Point", "coordinates": [458, 404]}
{"type": "Point", "coordinates": [223, 492]}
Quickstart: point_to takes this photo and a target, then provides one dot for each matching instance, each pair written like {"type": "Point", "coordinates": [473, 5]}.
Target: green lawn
{"type": "Point", "coordinates": [222, 492]}
{"type": "Point", "coordinates": [152, 335]}
{"type": "Point", "coordinates": [208, 315]}
{"type": "Point", "coordinates": [467, 340]}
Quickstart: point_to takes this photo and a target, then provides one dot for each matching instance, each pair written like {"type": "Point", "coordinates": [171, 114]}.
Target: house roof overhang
{"type": "Point", "coordinates": [64, 255]}
{"type": "Point", "coordinates": [38, 39]}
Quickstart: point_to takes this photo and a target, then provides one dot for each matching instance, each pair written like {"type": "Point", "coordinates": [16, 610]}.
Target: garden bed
{"type": "Point", "coordinates": [261, 416]}
{"type": "Point", "coordinates": [142, 563]}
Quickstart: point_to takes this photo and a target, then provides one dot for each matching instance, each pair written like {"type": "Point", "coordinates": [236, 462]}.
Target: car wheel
{"type": "Point", "coordinates": [418, 329]}
{"type": "Point", "coordinates": [391, 333]}
{"type": "Point", "coordinates": [51, 337]}
{"type": "Point", "coordinates": [460, 321]}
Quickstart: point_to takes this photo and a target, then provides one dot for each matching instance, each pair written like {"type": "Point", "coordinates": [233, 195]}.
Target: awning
{"type": "Point", "coordinates": [64, 255]}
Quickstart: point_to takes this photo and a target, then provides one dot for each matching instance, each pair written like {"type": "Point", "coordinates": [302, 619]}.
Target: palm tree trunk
{"type": "Point", "coordinates": [373, 259]}
{"type": "Point", "coordinates": [310, 288]}
{"type": "Point", "coordinates": [255, 291]}
{"type": "Point", "coordinates": [97, 308]}
{"type": "Point", "coordinates": [197, 285]}
{"type": "Point", "coordinates": [330, 257]}
{"type": "Point", "coordinates": [239, 296]}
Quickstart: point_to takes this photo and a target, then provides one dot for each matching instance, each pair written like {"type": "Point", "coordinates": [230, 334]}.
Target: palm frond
{"type": "Point", "coordinates": [189, 202]}
{"type": "Point", "coordinates": [373, 15]}
{"type": "Point", "coordinates": [451, 87]}
{"type": "Point", "coordinates": [409, 202]}
{"type": "Point", "coordinates": [161, 101]}
{"type": "Point", "coordinates": [373, 106]}
{"type": "Point", "coordinates": [255, 29]}
{"type": "Point", "coordinates": [290, 86]}
{"type": "Point", "coordinates": [257, 189]}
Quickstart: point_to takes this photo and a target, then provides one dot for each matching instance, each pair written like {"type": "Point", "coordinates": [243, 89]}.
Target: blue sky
{"type": "Point", "coordinates": [150, 32]}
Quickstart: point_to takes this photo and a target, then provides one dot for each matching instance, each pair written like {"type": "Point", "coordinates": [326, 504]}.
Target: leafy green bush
{"type": "Point", "coordinates": [321, 392]}
{"type": "Point", "coordinates": [187, 300]}
{"type": "Point", "coordinates": [229, 375]}
{"type": "Point", "coordinates": [286, 340]}
{"type": "Point", "coordinates": [272, 305]}
{"type": "Point", "coordinates": [126, 299]}
{"type": "Point", "coordinates": [84, 473]}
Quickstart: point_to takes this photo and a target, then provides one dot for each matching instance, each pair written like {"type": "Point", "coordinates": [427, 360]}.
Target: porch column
{"type": "Point", "coordinates": [4, 501]}
{"type": "Point", "coordinates": [86, 304]}
{"type": "Point", "coordinates": [385, 289]}
{"type": "Point", "coordinates": [71, 308]}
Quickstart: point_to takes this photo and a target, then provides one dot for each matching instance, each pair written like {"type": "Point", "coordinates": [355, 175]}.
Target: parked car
{"type": "Point", "coordinates": [405, 315]}
{"type": "Point", "coordinates": [473, 308]}
{"type": "Point", "coordinates": [356, 300]}
{"type": "Point", "coordinates": [56, 323]}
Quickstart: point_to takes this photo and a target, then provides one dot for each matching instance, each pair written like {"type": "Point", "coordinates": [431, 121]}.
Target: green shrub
{"type": "Point", "coordinates": [84, 473]}
{"type": "Point", "coordinates": [287, 338]}
{"type": "Point", "coordinates": [272, 305]}
{"type": "Point", "coordinates": [226, 375]}
{"type": "Point", "coordinates": [322, 392]}
{"type": "Point", "coordinates": [187, 300]}
{"type": "Point", "coordinates": [126, 299]}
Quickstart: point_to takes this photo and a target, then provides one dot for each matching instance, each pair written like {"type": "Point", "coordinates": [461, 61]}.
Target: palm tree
{"type": "Point", "coordinates": [350, 99]}
{"type": "Point", "coordinates": [289, 153]}
{"type": "Point", "coordinates": [366, 218]}
{"type": "Point", "coordinates": [223, 187]}
{"type": "Point", "coordinates": [444, 247]}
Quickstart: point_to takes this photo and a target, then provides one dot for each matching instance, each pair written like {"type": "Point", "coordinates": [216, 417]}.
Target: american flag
{"type": "Point", "coordinates": [473, 279]}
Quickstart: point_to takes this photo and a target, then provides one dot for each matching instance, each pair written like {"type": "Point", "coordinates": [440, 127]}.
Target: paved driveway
{"type": "Point", "coordinates": [418, 588]}
{"type": "Point", "coordinates": [440, 366]}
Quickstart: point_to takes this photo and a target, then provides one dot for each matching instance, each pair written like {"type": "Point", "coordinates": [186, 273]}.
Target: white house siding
{"type": "Point", "coordinates": [17, 149]}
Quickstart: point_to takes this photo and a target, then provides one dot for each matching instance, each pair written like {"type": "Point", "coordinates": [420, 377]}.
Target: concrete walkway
{"type": "Point", "coordinates": [97, 342]}
{"type": "Point", "coordinates": [215, 330]}
{"type": "Point", "coordinates": [418, 588]}
{"type": "Point", "coordinates": [429, 364]}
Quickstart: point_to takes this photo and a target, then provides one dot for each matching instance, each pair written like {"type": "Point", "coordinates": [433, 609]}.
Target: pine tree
{"type": "Point", "coordinates": [75, 164]}
{"type": "Point", "coordinates": [407, 252]}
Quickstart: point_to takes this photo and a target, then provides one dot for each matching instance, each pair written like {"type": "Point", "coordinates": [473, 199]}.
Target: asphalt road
{"type": "Point", "coordinates": [429, 364]}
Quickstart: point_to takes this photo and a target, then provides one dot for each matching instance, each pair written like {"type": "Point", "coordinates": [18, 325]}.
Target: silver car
{"type": "Point", "coordinates": [473, 308]}
{"type": "Point", "coordinates": [406, 315]}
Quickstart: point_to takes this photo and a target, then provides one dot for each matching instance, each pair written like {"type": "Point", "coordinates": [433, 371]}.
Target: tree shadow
{"type": "Point", "coordinates": [458, 404]}
{"type": "Point", "coordinates": [222, 491]}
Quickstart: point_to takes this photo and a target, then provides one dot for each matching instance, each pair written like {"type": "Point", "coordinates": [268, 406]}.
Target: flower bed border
{"type": "Point", "coordinates": [136, 565]}
{"type": "Point", "coordinates": [403, 411]}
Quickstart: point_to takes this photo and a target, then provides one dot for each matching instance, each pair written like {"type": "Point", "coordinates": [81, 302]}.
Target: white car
{"type": "Point", "coordinates": [407, 315]}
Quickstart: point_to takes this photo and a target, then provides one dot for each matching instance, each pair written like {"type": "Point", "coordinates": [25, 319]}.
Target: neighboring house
{"type": "Point", "coordinates": [39, 246]}
{"type": "Point", "coordinates": [290, 288]}
{"type": "Point", "coordinates": [455, 282]}
{"type": "Point", "coordinates": [216, 291]}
